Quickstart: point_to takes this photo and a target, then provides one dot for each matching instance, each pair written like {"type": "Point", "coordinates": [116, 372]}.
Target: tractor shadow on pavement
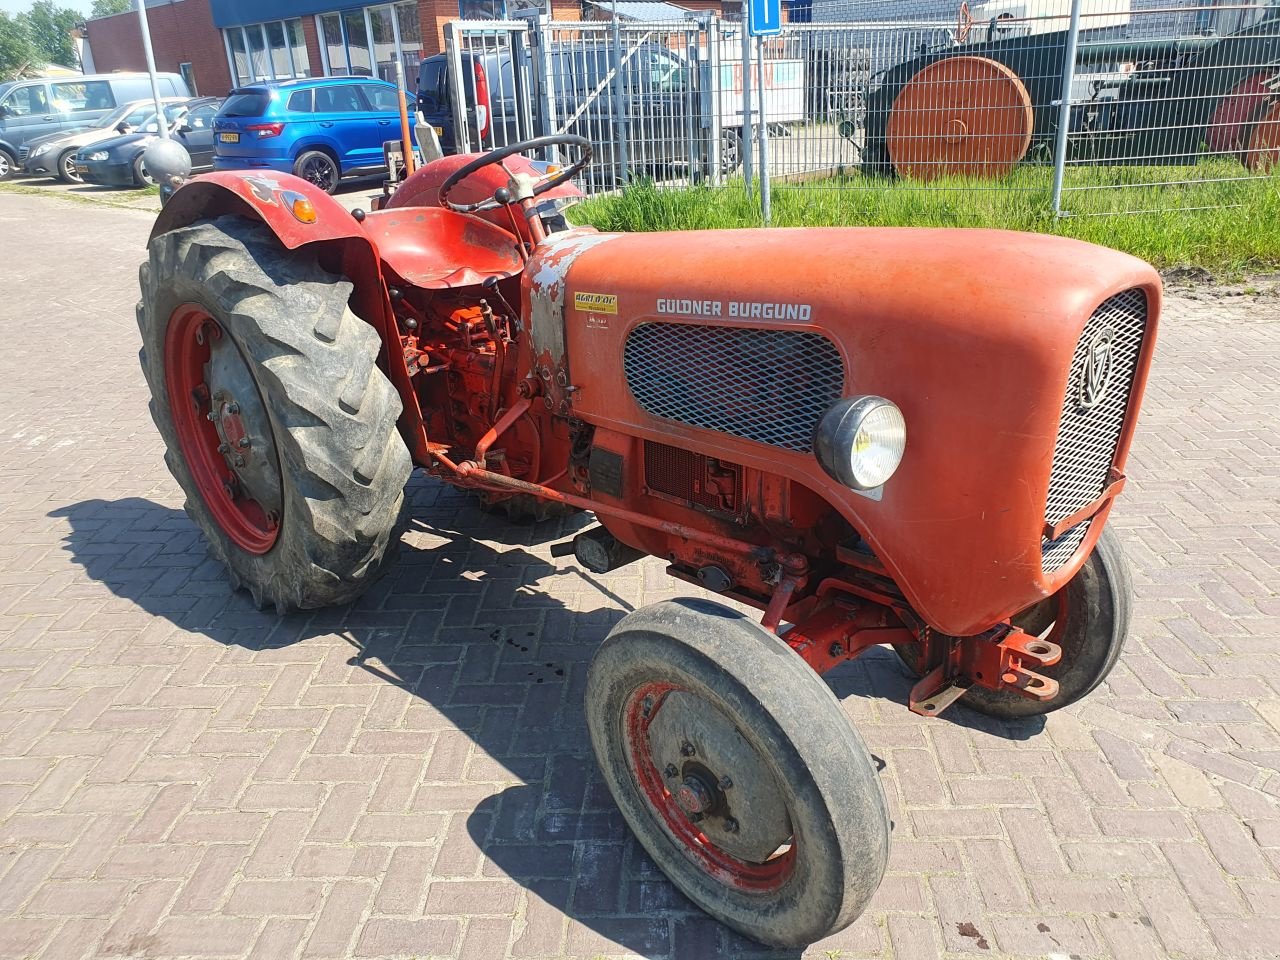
{"type": "Point", "coordinates": [494, 639]}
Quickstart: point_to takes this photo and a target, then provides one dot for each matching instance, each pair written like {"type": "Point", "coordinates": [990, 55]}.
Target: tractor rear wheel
{"type": "Point", "coordinates": [279, 426]}
{"type": "Point", "coordinates": [1088, 618]}
{"type": "Point", "coordinates": [738, 771]}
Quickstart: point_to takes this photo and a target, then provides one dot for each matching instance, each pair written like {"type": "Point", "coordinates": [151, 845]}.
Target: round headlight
{"type": "Point", "coordinates": [860, 441]}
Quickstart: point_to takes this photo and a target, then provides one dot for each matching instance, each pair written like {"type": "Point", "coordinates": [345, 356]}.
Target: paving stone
{"type": "Point", "coordinates": [183, 775]}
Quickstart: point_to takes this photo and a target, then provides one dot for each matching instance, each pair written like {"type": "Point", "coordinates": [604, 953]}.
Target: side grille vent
{"type": "Point", "coordinates": [691, 478]}
{"type": "Point", "coordinates": [1093, 416]}
{"type": "Point", "coordinates": [770, 386]}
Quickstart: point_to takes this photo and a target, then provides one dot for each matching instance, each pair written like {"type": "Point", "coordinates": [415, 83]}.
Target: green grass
{"type": "Point", "coordinates": [1238, 232]}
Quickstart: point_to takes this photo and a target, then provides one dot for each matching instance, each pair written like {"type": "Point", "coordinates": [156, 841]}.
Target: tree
{"type": "Point", "coordinates": [50, 30]}
{"type": "Point", "coordinates": [17, 52]}
{"type": "Point", "coordinates": [107, 8]}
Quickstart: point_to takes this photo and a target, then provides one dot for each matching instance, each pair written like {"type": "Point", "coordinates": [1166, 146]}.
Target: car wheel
{"type": "Point", "coordinates": [67, 167]}
{"type": "Point", "coordinates": [8, 166]}
{"type": "Point", "coordinates": [319, 169]}
{"type": "Point", "coordinates": [141, 176]}
{"type": "Point", "coordinates": [730, 151]}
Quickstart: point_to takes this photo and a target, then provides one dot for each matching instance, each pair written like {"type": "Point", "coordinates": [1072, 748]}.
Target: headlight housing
{"type": "Point", "coordinates": [97, 156]}
{"type": "Point", "coordinates": [860, 441]}
{"type": "Point", "coordinates": [41, 150]}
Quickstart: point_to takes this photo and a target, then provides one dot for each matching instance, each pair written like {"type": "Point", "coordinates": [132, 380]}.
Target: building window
{"type": "Point", "coordinates": [800, 11]}
{"type": "Point", "coordinates": [366, 42]}
{"type": "Point", "coordinates": [275, 50]}
{"type": "Point", "coordinates": [189, 77]}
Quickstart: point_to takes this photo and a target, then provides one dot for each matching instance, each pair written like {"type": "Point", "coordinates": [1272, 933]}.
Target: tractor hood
{"type": "Point", "coordinates": [733, 343]}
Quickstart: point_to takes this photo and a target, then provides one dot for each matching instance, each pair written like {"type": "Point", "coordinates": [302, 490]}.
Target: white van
{"type": "Point", "coordinates": [32, 108]}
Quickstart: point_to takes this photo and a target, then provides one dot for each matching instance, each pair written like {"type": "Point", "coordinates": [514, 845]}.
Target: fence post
{"type": "Point", "coordinates": [461, 122]}
{"type": "Point", "coordinates": [1064, 107]}
{"type": "Point", "coordinates": [748, 143]}
{"type": "Point", "coordinates": [766, 199]}
{"type": "Point", "coordinates": [620, 101]}
{"type": "Point", "coordinates": [712, 99]}
{"type": "Point", "coordinates": [540, 39]}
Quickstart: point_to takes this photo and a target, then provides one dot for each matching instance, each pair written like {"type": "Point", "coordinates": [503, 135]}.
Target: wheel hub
{"type": "Point", "coordinates": [246, 441]}
{"type": "Point", "coordinates": [223, 431]}
{"type": "Point", "coordinates": [718, 779]}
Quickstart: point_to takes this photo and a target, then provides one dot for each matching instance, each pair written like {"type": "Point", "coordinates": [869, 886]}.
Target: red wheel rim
{"type": "Point", "coordinates": [187, 346]}
{"type": "Point", "coordinates": [641, 709]}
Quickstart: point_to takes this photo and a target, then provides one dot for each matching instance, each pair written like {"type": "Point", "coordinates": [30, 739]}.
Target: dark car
{"type": "Point", "coordinates": [54, 154]}
{"type": "Point", "coordinates": [118, 162]}
{"type": "Point", "coordinates": [321, 129]}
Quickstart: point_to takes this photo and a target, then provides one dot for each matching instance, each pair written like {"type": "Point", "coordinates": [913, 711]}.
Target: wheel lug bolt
{"type": "Point", "coordinates": [233, 408]}
{"type": "Point", "coordinates": [211, 416]}
{"type": "Point", "coordinates": [730, 825]}
{"type": "Point", "coordinates": [244, 443]}
{"type": "Point", "coordinates": [725, 783]}
{"type": "Point", "coordinates": [686, 749]}
{"type": "Point", "coordinates": [239, 461]}
{"type": "Point", "coordinates": [671, 770]}
{"type": "Point", "coordinates": [224, 448]}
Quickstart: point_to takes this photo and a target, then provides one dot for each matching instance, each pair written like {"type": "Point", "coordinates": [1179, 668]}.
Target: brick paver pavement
{"type": "Point", "coordinates": [181, 775]}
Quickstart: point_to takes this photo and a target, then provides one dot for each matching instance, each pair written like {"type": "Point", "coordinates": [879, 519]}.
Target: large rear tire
{"type": "Point", "coordinates": [278, 424]}
{"type": "Point", "coordinates": [738, 771]}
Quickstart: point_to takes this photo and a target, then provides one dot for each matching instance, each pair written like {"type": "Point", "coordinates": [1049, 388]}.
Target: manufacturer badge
{"type": "Point", "coordinates": [1099, 363]}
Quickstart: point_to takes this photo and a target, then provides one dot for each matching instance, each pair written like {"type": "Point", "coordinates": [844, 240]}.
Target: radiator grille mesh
{"type": "Point", "coordinates": [1093, 417]}
{"type": "Point", "coordinates": [770, 386]}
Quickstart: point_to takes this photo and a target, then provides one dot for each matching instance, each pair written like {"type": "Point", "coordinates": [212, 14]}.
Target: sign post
{"type": "Point", "coordinates": [764, 19]}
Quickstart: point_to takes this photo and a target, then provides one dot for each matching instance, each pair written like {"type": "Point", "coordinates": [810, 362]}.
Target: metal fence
{"type": "Point", "coordinates": [1079, 106]}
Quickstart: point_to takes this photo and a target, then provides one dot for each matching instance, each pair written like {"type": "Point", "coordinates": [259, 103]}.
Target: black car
{"type": "Point", "coordinates": [118, 162]}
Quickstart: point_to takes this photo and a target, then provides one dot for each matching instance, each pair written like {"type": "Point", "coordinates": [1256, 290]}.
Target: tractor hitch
{"type": "Point", "coordinates": [996, 660]}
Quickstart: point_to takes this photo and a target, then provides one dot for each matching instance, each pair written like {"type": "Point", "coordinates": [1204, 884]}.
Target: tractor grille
{"type": "Point", "coordinates": [1093, 415]}
{"type": "Point", "coordinates": [770, 386]}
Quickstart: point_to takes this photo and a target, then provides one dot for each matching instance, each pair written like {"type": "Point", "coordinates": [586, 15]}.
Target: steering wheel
{"type": "Point", "coordinates": [497, 156]}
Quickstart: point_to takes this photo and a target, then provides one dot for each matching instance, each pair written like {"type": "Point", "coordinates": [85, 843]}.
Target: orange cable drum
{"type": "Point", "coordinates": [1264, 142]}
{"type": "Point", "coordinates": [963, 115]}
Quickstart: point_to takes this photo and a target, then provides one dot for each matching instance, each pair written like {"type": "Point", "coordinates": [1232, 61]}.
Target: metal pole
{"type": "Point", "coordinates": [746, 144]}
{"type": "Point", "coordinates": [619, 100]}
{"type": "Point", "coordinates": [766, 200]}
{"type": "Point", "coordinates": [162, 123]}
{"type": "Point", "coordinates": [406, 141]}
{"type": "Point", "coordinates": [1064, 107]}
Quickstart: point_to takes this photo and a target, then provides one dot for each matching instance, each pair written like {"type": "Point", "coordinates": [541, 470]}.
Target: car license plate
{"type": "Point", "coordinates": [82, 168]}
{"type": "Point", "coordinates": [229, 137]}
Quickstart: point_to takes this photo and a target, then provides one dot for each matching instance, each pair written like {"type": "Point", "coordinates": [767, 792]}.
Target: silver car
{"type": "Point", "coordinates": [54, 154]}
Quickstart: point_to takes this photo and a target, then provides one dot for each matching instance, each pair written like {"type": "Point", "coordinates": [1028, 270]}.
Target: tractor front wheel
{"type": "Point", "coordinates": [278, 424]}
{"type": "Point", "coordinates": [1088, 618]}
{"type": "Point", "coordinates": [738, 771]}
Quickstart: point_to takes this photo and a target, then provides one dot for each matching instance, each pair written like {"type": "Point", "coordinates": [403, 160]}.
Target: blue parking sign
{"type": "Point", "coordinates": [764, 17]}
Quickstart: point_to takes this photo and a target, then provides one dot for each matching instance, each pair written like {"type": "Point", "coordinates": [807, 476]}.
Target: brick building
{"type": "Point", "coordinates": [218, 44]}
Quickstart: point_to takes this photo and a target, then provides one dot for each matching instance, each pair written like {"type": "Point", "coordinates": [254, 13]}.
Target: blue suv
{"type": "Point", "coordinates": [321, 129]}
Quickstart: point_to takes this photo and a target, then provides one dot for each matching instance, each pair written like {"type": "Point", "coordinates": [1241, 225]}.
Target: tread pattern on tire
{"type": "Point", "coordinates": [333, 411]}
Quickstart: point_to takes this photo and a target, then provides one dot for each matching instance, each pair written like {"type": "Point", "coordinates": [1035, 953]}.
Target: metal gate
{"type": "Point", "coordinates": [642, 93]}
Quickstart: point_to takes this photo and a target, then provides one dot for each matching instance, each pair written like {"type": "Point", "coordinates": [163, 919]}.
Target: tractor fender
{"type": "Point", "coordinates": [268, 196]}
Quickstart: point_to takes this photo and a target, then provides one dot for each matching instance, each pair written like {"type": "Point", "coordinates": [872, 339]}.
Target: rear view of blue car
{"type": "Point", "coordinates": [321, 129]}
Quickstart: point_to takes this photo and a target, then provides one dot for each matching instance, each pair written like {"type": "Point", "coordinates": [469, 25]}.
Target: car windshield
{"type": "Point", "coordinates": [116, 116]}
{"type": "Point", "coordinates": [246, 103]}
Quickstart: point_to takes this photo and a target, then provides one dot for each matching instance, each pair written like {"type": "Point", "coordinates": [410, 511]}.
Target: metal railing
{"type": "Point", "coordinates": [1079, 106]}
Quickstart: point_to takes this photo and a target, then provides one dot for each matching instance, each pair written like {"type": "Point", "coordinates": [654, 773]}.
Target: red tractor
{"type": "Point", "coordinates": [874, 436]}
